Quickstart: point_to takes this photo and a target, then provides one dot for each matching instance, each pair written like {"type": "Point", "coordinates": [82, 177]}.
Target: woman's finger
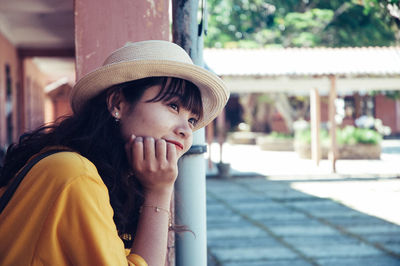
{"type": "Point", "coordinates": [148, 149]}
{"type": "Point", "coordinates": [161, 149]}
{"type": "Point", "coordinates": [171, 153]}
{"type": "Point", "coordinates": [137, 153]}
{"type": "Point", "coordinates": [128, 148]}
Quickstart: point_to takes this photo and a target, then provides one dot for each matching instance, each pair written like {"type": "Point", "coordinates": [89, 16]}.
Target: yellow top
{"type": "Point", "coordinates": [61, 215]}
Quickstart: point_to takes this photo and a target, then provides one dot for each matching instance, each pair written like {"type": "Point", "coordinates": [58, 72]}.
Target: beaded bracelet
{"type": "Point", "coordinates": [158, 209]}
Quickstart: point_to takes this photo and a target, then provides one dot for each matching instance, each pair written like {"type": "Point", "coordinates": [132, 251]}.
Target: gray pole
{"type": "Point", "coordinates": [190, 187]}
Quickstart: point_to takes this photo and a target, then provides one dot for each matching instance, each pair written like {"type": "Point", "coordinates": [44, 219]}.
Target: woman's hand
{"type": "Point", "coordinates": [154, 162]}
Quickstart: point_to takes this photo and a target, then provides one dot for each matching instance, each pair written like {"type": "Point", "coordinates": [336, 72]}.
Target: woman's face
{"type": "Point", "coordinates": [160, 120]}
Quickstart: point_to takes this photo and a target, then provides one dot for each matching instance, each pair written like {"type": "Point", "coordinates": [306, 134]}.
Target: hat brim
{"type": "Point", "coordinates": [213, 90]}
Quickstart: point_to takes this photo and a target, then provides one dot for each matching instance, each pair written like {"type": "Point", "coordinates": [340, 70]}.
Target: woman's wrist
{"type": "Point", "coordinates": [158, 198]}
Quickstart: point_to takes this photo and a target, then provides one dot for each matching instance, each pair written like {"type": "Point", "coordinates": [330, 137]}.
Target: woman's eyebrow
{"type": "Point", "coordinates": [179, 99]}
{"type": "Point", "coordinates": [175, 97]}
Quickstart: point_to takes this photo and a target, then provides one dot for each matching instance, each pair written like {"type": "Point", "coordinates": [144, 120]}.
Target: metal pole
{"type": "Point", "coordinates": [190, 208]}
{"type": "Point", "coordinates": [190, 187]}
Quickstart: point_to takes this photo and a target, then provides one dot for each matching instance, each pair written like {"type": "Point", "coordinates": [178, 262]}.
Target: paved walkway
{"type": "Point", "coordinates": [296, 218]}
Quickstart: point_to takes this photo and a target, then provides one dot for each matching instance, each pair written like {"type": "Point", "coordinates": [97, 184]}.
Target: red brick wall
{"type": "Point", "coordinates": [386, 110]}
{"type": "Point", "coordinates": [324, 108]}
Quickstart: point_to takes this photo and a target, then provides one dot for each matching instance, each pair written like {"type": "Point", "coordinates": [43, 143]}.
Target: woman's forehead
{"type": "Point", "coordinates": [184, 93]}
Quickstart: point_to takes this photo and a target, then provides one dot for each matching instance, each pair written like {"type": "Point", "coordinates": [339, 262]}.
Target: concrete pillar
{"type": "Point", "coordinates": [102, 26]}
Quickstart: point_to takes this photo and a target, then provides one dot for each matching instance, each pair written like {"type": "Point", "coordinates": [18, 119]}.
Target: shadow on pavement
{"type": "Point", "coordinates": [255, 221]}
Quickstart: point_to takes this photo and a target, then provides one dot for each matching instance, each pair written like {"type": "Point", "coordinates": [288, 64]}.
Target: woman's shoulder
{"type": "Point", "coordinates": [66, 165]}
{"type": "Point", "coordinates": [69, 159]}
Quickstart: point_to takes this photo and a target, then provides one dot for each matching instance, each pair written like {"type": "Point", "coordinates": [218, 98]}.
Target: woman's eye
{"type": "Point", "coordinates": [174, 106]}
{"type": "Point", "coordinates": [193, 121]}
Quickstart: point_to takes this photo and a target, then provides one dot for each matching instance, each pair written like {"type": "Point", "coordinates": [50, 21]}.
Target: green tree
{"type": "Point", "coordinates": [302, 23]}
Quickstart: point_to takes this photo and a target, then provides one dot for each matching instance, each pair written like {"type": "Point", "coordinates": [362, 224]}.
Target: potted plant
{"type": "Point", "coordinates": [224, 169]}
{"type": "Point", "coordinates": [275, 141]}
{"type": "Point", "coordinates": [353, 143]}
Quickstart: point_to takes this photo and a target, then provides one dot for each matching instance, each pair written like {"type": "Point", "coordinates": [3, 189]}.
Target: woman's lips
{"type": "Point", "coordinates": [176, 143]}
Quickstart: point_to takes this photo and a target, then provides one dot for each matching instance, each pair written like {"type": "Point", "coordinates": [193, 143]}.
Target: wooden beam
{"type": "Point", "coordinates": [315, 117]}
{"type": "Point", "coordinates": [333, 154]}
{"type": "Point", "coordinates": [51, 52]}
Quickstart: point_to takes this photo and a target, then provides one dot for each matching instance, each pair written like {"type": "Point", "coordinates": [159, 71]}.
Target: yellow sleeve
{"type": "Point", "coordinates": [80, 227]}
{"type": "Point", "coordinates": [136, 260]}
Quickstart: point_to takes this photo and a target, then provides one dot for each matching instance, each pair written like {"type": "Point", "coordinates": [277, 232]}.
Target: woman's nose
{"type": "Point", "coordinates": [184, 129]}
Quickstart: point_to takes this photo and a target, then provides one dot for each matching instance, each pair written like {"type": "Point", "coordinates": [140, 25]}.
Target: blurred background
{"type": "Point", "coordinates": [303, 164]}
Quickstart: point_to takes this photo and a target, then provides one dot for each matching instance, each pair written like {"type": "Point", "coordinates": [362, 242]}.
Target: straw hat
{"type": "Point", "coordinates": [152, 59]}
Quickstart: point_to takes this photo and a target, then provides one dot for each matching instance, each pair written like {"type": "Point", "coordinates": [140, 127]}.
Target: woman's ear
{"type": "Point", "coordinates": [115, 102]}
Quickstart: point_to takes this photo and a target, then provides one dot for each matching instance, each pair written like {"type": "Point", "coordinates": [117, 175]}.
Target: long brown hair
{"type": "Point", "coordinates": [95, 134]}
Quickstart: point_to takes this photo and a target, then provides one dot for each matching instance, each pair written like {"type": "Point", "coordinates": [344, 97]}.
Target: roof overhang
{"type": "Point", "coordinates": [300, 70]}
{"type": "Point", "coordinates": [38, 24]}
{"type": "Point", "coordinates": [303, 85]}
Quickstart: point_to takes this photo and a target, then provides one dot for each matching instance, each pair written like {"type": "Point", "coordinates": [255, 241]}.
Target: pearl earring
{"type": "Point", "coordinates": [116, 116]}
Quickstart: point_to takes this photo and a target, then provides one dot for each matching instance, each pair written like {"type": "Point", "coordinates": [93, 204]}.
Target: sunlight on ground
{"type": "Point", "coordinates": [368, 186]}
{"type": "Point", "coordinates": [380, 198]}
{"type": "Point", "coordinates": [249, 158]}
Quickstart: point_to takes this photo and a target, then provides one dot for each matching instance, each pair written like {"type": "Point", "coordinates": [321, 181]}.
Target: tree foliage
{"type": "Point", "coordinates": [302, 23]}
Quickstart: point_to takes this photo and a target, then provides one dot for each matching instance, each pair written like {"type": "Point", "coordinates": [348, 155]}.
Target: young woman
{"type": "Point", "coordinates": [109, 185]}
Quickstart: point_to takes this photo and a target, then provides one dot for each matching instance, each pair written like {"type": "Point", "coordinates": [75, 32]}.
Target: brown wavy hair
{"type": "Point", "coordinates": [95, 134]}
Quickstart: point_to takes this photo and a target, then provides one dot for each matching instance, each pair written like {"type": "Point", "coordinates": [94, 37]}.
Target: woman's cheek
{"type": "Point", "coordinates": [126, 132]}
{"type": "Point", "coordinates": [189, 143]}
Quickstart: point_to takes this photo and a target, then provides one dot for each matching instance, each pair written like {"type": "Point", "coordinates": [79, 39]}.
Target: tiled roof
{"type": "Point", "coordinates": [304, 61]}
